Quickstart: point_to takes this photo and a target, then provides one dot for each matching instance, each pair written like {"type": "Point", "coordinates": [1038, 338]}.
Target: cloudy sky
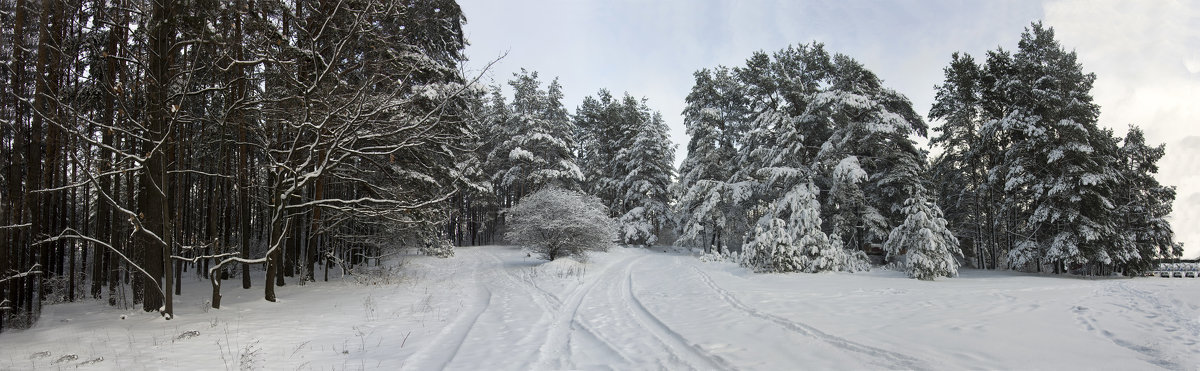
{"type": "Point", "coordinates": [1146, 54]}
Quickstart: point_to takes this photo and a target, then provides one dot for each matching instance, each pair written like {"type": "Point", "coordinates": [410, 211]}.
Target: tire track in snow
{"type": "Point", "coordinates": [454, 334]}
{"type": "Point", "coordinates": [558, 336]}
{"type": "Point", "coordinates": [682, 351]}
{"type": "Point", "coordinates": [551, 307]}
{"type": "Point", "coordinates": [885, 358]}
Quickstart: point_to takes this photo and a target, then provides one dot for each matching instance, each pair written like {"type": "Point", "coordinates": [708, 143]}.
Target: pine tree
{"type": "Point", "coordinates": [930, 250]}
{"type": "Point", "coordinates": [706, 200]}
{"type": "Point", "coordinates": [798, 116]}
{"type": "Point", "coordinates": [649, 164]}
{"type": "Point", "coordinates": [1055, 162]}
{"type": "Point", "coordinates": [606, 128]}
{"type": "Point", "coordinates": [538, 145]}
{"type": "Point", "coordinates": [1143, 205]}
{"type": "Point", "coordinates": [873, 124]}
{"type": "Point", "coordinates": [788, 238]}
{"type": "Point", "coordinates": [960, 173]}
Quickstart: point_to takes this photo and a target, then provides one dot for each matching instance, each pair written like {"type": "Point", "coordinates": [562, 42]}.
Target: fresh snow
{"type": "Point", "coordinates": [495, 308]}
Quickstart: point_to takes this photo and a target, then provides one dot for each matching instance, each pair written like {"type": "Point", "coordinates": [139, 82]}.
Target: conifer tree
{"type": "Point", "coordinates": [649, 166]}
{"type": "Point", "coordinates": [930, 250]}
{"type": "Point", "coordinates": [1143, 206]}
{"type": "Point", "coordinates": [537, 149]}
{"type": "Point", "coordinates": [961, 171]}
{"type": "Point", "coordinates": [705, 197]}
{"type": "Point", "coordinates": [1055, 162]}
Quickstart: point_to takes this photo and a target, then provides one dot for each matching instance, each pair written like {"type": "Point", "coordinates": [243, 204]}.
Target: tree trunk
{"type": "Point", "coordinates": [14, 210]}
{"type": "Point", "coordinates": [311, 256]}
{"type": "Point", "coordinates": [154, 198]}
{"type": "Point", "coordinates": [239, 90]}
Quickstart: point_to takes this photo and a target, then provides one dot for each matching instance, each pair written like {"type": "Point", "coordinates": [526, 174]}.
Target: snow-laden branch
{"type": "Point", "coordinates": [32, 271]}
{"type": "Point", "coordinates": [198, 258]}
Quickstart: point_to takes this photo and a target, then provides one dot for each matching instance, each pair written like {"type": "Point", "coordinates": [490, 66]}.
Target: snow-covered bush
{"type": "Point", "coordinates": [637, 229]}
{"type": "Point", "coordinates": [930, 249]}
{"type": "Point", "coordinates": [438, 247]}
{"type": "Point", "coordinates": [554, 223]}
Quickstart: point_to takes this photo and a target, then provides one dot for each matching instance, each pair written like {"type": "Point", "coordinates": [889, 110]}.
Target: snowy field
{"type": "Point", "coordinates": [492, 308]}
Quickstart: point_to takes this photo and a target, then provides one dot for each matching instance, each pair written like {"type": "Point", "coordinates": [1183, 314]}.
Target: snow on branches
{"type": "Point", "coordinates": [555, 223]}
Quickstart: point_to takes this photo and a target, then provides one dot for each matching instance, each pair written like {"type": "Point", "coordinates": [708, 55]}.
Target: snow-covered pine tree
{"type": "Point", "coordinates": [776, 163]}
{"type": "Point", "coordinates": [788, 238]}
{"type": "Point", "coordinates": [873, 124]}
{"type": "Point", "coordinates": [960, 172]}
{"type": "Point", "coordinates": [929, 248]}
{"type": "Point", "coordinates": [797, 116]}
{"type": "Point", "coordinates": [608, 129]}
{"type": "Point", "coordinates": [649, 163]}
{"type": "Point", "coordinates": [1143, 205]}
{"type": "Point", "coordinates": [705, 199]}
{"type": "Point", "coordinates": [599, 131]}
{"type": "Point", "coordinates": [537, 150]}
{"type": "Point", "coordinates": [1055, 163]}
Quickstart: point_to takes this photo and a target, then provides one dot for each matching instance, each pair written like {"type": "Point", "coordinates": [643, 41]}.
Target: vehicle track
{"type": "Point", "coordinates": [454, 334]}
{"type": "Point", "coordinates": [552, 307]}
{"type": "Point", "coordinates": [555, 352]}
{"type": "Point", "coordinates": [605, 299]}
{"type": "Point", "coordinates": [690, 354]}
{"type": "Point", "coordinates": [881, 357]}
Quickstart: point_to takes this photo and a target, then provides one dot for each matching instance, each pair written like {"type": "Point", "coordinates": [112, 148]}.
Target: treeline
{"type": "Point", "coordinates": [802, 161]}
{"type": "Point", "coordinates": [143, 139]}
{"type": "Point", "coordinates": [614, 148]}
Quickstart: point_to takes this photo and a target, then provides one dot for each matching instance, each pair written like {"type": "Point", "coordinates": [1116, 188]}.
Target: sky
{"type": "Point", "coordinates": [1146, 54]}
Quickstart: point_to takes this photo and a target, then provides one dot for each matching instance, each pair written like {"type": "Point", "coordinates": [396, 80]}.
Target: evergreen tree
{"type": "Point", "coordinates": [1143, 206]}
{"type": "Point", "coordinates": [1056, 161]}
{"type": "Point", "coordinates": [649, 165]}
{"type": "Point", "coordinates": [705, 197]}
{"type": "Point", "coordinates": [609, 128]}
{"type": "Point", "coordinates": [929, 248]}
{"type": "Point", "coordinates": [872, 123]}
{"type": "Point", "coordinates": [799, 116]}
{"type": "Point", "coordinates": [537, 149]}
{"type": "Point", "coordinates": [961, 171]}
{"type": "Point", "coordinates": [789, 238]}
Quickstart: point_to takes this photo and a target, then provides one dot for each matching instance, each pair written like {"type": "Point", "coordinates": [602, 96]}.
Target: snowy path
{"type": "Point", "coordinates": [494, 308]}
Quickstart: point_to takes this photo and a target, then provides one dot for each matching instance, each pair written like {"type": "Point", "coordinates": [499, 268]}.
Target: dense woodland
{"type": "Point", "coordinates": [145, 140]}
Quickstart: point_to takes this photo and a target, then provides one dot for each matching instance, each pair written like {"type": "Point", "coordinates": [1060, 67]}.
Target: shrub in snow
{"type": "Point", "coordinates": [439, 247]}
{"type": "Point", "coordinates": [931, 248]}
{"type": "Point", "coordinates": [554, 223]}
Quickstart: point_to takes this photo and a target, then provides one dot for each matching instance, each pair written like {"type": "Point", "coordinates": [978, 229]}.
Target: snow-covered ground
{"type": "Point", "coordinates": [493, 308]}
